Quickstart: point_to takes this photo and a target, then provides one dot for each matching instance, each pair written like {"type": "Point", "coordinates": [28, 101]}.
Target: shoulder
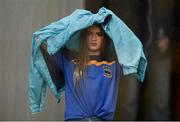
{"type": "Point", "coordinates": [68, 53]}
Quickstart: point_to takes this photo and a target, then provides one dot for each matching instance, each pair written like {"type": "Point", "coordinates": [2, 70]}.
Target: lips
{"type": "Point", "coordinates": [93, 44]}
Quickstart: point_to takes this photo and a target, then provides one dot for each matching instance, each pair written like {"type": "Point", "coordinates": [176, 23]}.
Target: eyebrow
{"type": "Point", "coordinates": [95, 32]}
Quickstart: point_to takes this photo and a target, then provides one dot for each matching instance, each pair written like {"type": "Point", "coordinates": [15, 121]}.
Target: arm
{"type": "Point", "coordinates": [55, 69]}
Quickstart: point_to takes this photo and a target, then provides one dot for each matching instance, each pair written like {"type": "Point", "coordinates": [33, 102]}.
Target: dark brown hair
{"type": "Point", "coordinates": [83, 58]}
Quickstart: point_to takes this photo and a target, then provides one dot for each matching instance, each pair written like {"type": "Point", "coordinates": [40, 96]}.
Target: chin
{"type": "Point", "coordinates": [94, 50]}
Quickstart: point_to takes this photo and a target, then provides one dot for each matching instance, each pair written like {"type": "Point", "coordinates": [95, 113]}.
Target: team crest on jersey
{"type": "Point", "coordinates": [107, 71]}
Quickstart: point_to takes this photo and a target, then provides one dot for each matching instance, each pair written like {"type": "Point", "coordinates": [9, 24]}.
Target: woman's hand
{"type": "Point", "coordinates": [43, 46]}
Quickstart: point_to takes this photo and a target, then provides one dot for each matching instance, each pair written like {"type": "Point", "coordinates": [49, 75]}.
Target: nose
{"type": "Point", "coordinates": [94, 37]}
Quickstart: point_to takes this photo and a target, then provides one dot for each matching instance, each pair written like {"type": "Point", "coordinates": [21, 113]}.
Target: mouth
{"type": "Point", "coordinates": [93, 44]}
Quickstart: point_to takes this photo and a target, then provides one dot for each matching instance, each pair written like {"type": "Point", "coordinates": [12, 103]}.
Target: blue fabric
{"type": "Point", "coordinates": [95, 95]}
{"type": "Point", "coordinates": [128, 48]}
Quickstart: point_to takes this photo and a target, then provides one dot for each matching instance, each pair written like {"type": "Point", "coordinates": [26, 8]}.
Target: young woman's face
{"type": "Point", "coordinates": [95, 39]}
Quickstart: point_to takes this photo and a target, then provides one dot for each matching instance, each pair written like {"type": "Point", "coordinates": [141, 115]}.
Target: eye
{"type": "Point", "coordinates": [100, 34]}
{"type": "Point", "coordinates": [89, 33]}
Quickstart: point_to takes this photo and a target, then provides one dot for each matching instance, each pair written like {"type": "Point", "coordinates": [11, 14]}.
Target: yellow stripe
{"type": "Point", "coordinates": [100, 63]}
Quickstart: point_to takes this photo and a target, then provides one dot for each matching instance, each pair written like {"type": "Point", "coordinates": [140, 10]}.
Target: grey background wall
{"type": "Point", "coordinates": [18, 20]}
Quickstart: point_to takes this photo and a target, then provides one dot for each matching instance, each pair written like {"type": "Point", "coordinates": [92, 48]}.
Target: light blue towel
{"type": "Point", "coordinates": [128, 48]}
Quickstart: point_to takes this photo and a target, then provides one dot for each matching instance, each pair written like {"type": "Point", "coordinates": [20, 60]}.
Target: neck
{"type": "Point", "coordinates": [94, 53]}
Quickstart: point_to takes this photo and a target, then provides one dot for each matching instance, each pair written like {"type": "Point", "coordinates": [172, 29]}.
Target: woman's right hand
{"type": "Point", "coordinates": [43, 46]}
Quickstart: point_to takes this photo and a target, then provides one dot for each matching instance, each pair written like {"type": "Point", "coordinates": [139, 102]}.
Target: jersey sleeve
{"type": "Point", "coordinates": [55, 67]}
{"type": "Point", "coordinates": [58, 59]}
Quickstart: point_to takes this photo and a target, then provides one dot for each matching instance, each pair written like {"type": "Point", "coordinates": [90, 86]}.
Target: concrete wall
{"type": "Point", "coordinates": [18, 20]}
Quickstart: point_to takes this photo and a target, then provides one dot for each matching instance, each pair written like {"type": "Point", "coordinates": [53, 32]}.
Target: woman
{"type": "Point", "coordinates": [91, 76]}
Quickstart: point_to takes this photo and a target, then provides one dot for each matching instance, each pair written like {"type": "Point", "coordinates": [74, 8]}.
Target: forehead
{"type": "Point", "coordinates": [94, 28]}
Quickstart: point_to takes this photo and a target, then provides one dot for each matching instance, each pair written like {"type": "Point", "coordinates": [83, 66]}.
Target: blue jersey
{"type": "Point", "coordinates": [96, 93]}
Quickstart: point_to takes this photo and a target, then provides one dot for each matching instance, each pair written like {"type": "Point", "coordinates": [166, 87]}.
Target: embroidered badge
{"type": "Point", "coordinates": [107, 71]}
